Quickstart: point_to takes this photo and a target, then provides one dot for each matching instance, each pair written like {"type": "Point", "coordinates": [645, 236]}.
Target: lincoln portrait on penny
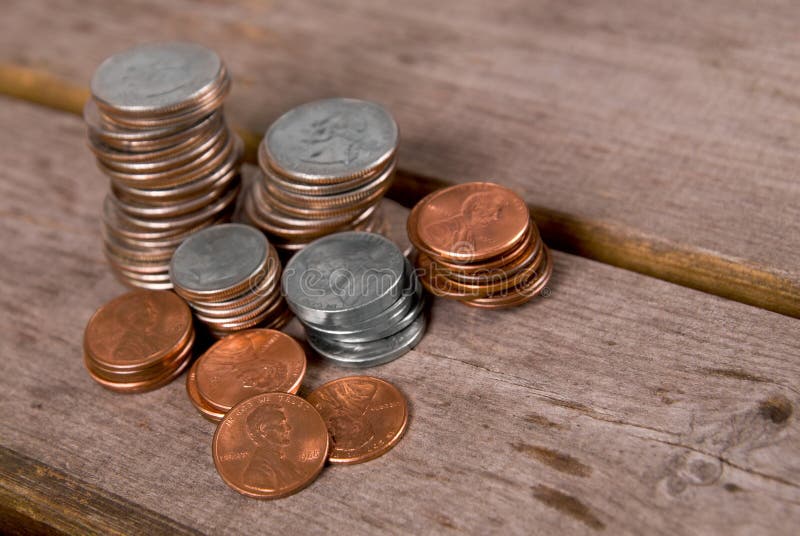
{"type": "Point", "coordinates": [268, 427]}
{"type": "Point", "coordinates": [466, 229]}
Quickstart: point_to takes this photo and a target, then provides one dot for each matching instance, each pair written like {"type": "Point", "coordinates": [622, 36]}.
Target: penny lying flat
{"type": "Point", "coordinates": [326, 166]}
{"type": "Point", "coordinates": [139, 341]}
{"type": "Point", "coordinates": [366, 417]}
{"type": "Point", "coordinates": [248, 363]}
{"type": "Point", "coordinates": [156, 127]}
{"type": "Point", "coordinates": [477, 243]}
{"type": "Point", "coordinates": [270, 445]}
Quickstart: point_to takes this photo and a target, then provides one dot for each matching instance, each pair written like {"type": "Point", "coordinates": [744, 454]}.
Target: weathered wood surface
{"type": "Point", "coordinates": [659, 137]}
{"type": "Point", "coordinates": [618, 404]}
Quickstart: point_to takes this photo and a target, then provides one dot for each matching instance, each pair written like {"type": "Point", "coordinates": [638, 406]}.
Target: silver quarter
{"type": "Point", "coordinates": [331, 140]}
{"type": "Point", "coordinates": [348, 276]}
{"type": "Point", "coordinates": [151, 78]}
{"type": "Point", "coordinates": [369, 354]}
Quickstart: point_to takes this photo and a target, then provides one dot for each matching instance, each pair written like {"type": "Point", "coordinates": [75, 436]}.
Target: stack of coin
{"type": "Point", "coordinates": [155, 125]}
{"type": "Point", "coordinates": [274, 444]}
{"type": "Point", "coordinates": [242, 365]}
{"type": "Point", "coordinates": [326, 166]}
{"type": "Point", "coordinates": [358, 298]}
{"type": "Point", "coordinates": [477, 243]}
{"type": "Point", "coordinates": [139, 341]}
{"type": "Point", "coordinates": [230, 276]}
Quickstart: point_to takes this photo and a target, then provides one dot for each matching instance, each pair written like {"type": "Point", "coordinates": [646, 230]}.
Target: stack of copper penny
{"type": "Point", "coordinates": [230, 276]}
{"type": "Point", "coordinates": [477, 243]}
{"type": "Point", "coordinates": [155, 125]}
{"type": "Point", "coordinates": [243, 365]}
{"type": "Point", "coordinates": [139, 341]}
{"type": "Point", "coordinates": [326, 166]}
{"type": "Point", "coordinates": [274, 444]}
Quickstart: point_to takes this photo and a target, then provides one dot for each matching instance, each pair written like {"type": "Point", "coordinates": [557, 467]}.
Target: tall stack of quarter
{"type": "Point", "coordinates": [230, 276]}
{"type": "Point", "coordinates": [477, 243]}
{"type": "Point", "coordinates": [155, 125]}
{"type": "Point", "coordinates": [326, 166]}
{"type": "Point", "coordinates": [139, 341]}
{"type": "Point", "coordinates": [358, 298]}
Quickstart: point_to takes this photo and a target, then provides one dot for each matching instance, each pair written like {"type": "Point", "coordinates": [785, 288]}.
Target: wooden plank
{"type": "Point", "coordinates": [653, 137]}
{"type": "Point", "coordinates": [619, 404]}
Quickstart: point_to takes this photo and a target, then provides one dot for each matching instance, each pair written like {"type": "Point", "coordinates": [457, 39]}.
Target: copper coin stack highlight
{"type": "Point", "coordinates": [230, 276]}
{"type": "Point", "coordinates": [243, 365]}
{"type": "Point", "coordinates": [139, 341]}
{"type": "Point", "coordinates": [326, 166]}
{"type": "Point", "coordinates": [477, 243]}
{"type": "Point", "coordinates": [156, 126]}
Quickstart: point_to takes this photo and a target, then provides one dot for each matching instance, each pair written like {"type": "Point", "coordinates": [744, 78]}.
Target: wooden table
{"type": "Point", "coordinates": [654, 390]}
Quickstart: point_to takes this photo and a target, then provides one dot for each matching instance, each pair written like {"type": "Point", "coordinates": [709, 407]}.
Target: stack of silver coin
{"type": "Point", "coordinates": [358, 298]}
{"type": "Point", "coordinates": [230, 276]}
{"type": "Point", "coordinates": [326, 166]}
{"type": "Point", "coordinates": [156, 126]}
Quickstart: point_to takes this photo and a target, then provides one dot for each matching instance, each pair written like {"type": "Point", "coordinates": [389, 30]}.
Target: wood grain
{"type": "Point", "coordinates": [620, 404]}
{"type": "Point", "coordinates": [655, 137]}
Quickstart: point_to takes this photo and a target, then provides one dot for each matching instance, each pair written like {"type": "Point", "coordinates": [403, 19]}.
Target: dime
{"type": "Point", "coordinates": [220, 260]}
{"type": "Point", "coordinates": [270, 445]}
{"type": "Point", "coordinates": [230, 275]}
{"type": "Point", "coordinates": [366, 417]}
{"type": "Point", "coordinates": [248, 363]}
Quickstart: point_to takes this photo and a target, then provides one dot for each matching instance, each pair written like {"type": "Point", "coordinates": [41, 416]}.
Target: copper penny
{"type": "Point", "coordinates": [248, 363]}
{"type": "Point", "coordinates": [201, 405]}
{"type": "Point", "coordinates": [138, 329]}
{"type": "Point", "coordinates": [469, 222]}
{"type": "Point", "coordinates": [270, 445]}
{"type": "Point", "coordinates": [366, 417]}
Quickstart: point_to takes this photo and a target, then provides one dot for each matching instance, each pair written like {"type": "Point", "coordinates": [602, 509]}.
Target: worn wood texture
{"type": "Point", "coordinates": [620, 404]}
{"type": "Point", "coordinates": [659, 137]}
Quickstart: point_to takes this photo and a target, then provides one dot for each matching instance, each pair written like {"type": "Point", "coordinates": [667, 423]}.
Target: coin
{"type": "Point", "coordinates": [366, 417]}
{"type": "Point", "coordinates": [203, 407]}
{"type": "Point", "coordinates": [372, 353]}
{"type": "Point", "coordinates": [156, 127]}
{"type": "Point", "coordinates": [154, 78]}
{"type": "Point", "coordinates": [248, 363]}
{"type": "Point", "coordinates": [230, 275]}
{"type": "Point", "coordinates": [353, 275]}
{"type": "Point", "coordinates": [138, 341]}
{"type": "Point", "coordinates": [477, 243]}
{"type": "Point", "coordinates": [270, 445]}
{"type": "Point", "coordinates": [331, 140]}
{"type": "Point", "coordinates": [325, 167]}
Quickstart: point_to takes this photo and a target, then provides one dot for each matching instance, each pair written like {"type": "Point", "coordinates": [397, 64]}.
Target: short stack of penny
{"type": "Point", "coordinates": [229, 274]}
{"type": "Point", "coordinates": [139, 341]}
{"type": "Point", "coordinates": [477, 243]}
{"type": "Point", "coordinates": [358, 298]}
{"type": "Point", "coordinates": [242, 365]}
{"type": "Point", "coordinates": [156, 126]}
{"type": "Point", "coordinates": [326, 166]}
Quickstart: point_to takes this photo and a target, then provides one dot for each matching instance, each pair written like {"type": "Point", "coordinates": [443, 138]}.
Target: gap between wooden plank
{"type": "Point", "coordinates": [598, 240]}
